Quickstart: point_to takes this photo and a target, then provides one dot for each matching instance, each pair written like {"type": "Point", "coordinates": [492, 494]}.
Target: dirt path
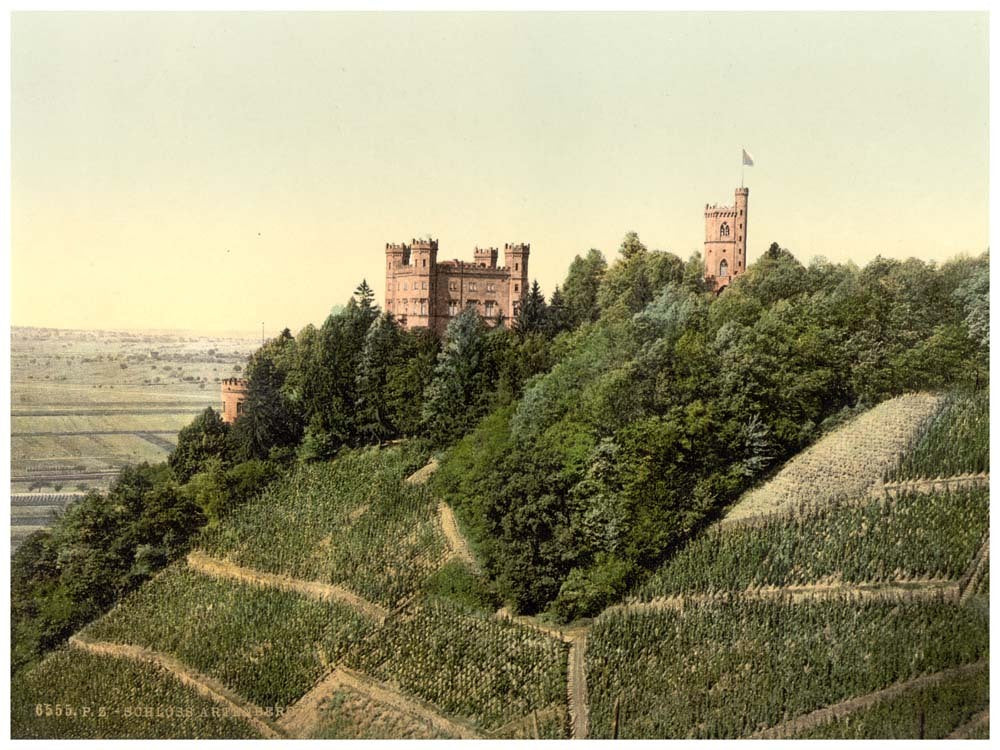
{"type": "Point", "coordinates": [459, 547]}
{"type": "Point", "coordinates": [200, 683]}
{"type": "Point", "coordinates": [962, 732]}
{"type": "Point", "coordinates": [824, 715]}
{"type": "Point", "coordinates": [527, 725]}
{"type": "Point", "coordinates": [895, 590]}
{"type": "Point", "coordinates": [566, 635]}
{"type": "Point", "coordinates": [420, 476]}
{"type": "Point", "coordinates": [307, 712]}
{"type": "Point", "coordinates": [980, 566]}
{"type": "Point", "coordinates": [579, 707]}
{"type": "Point", "coordinates": [936, 484]}
{"type": "Point", "coordinates": [210, 566]}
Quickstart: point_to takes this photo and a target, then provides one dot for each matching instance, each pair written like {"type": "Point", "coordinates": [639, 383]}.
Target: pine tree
{"type": "Point", "coordinates": [531, 318]}
{"type": "Point", "coordinates": [456, 397]}
{"type": "Point", "coordinates": [382, 343]}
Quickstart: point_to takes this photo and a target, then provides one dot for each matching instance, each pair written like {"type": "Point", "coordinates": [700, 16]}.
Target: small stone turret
{"type": "Point", "coordinates": [234, 394]}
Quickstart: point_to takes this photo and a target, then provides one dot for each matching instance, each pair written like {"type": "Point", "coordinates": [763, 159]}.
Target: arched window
{"type": "Point", "coordinates": [724, 230]}
{"type": "Point", "coordinates": [723, 269]}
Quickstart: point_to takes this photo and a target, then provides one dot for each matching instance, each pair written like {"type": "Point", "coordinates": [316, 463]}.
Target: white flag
{"type": "Point", "coordinates": [747, 159]}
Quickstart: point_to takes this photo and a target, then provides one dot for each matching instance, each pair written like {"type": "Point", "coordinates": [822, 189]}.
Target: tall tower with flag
{"type": "Point", "coordinates": [726, 238]}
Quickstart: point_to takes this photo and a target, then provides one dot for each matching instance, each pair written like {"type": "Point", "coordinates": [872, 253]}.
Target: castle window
{"type": "Point", "coordinates": [239, 407]}
{"type": "Point", "coordinates": [472, 286]}
{"type": "Point", "coordinates": [423, 285]}
{"type": "Point", "coordinates": [423, 307]}
{"type": "Point", "coordinates": [515, 266]}
{"type": "Point", "coordinates": [453, 307]}
{"type": "Point", "coordinates": [515, 287]}
{"type": "Point", "coordinates": [472, 303]}
{"type": "Point", "coordinates": [453, 286]}
{"type": "Point", "coordinates": [724, 230]}
{"type": "Point", "coordinates": [723, 269]}
{"type": "Point", "coordinates": [425, 262]}
{"type": "Point", "coordinates": [490, 311]}
{"type": "Point", "coordinates": [404, 286]}
{"type": "Point", "coordinates": [491, 287]}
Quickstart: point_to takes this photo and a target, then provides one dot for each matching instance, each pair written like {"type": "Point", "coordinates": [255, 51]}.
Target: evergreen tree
{"type": "Point", "coordinates": [381, 350]}
{"type": "Point", "coordinates": [532, 317]}
{"type": "Point", "coordinates": [458, 394]}
{"type": "Point", "coordinates": [558, 316]}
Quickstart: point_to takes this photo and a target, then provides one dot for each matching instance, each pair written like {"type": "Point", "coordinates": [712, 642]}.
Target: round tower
{"type": "Point", "coordinates": [234, 395]}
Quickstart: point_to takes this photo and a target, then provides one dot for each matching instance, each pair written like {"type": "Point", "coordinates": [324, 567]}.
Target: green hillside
{"type": "Point", "coordinates": [863, 616]}
{"type": "Point", "coordinates": [639, 510]}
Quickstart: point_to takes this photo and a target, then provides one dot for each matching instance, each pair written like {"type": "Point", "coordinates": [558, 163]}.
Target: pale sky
{"type": "Point", "coordinates": [213, 171]}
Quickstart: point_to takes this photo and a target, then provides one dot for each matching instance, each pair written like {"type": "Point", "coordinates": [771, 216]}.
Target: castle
{"type": "Point", "coordinates": [422, 292]}
{"type": "Point", "coordinates": [726, 241]}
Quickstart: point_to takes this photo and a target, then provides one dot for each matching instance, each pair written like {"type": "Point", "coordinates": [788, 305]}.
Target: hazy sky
{"type": "Point", "coordinates": [212, 171]}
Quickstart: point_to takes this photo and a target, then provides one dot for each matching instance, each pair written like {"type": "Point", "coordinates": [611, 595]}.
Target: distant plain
{"type": "Point", "coordinates": [86, 403]}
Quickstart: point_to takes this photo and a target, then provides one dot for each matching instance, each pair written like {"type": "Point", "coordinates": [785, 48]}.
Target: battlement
{"type": "Point", "coordinates": [235, 383]}
{"type": "Point", "coordinates": [423, 244]}
{"type": "Point", "coordinates": [396, 247]}
{"type": "Point", "coordinates": [486, 256]}
{"type": "Point", "coordinates": [520, 247]}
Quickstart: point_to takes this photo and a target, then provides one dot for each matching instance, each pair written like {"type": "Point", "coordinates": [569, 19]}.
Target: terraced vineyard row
{"type": "Point", "coordinates": [955, 441]}
{"type": "Point", "coordinates": [931, 712]}
{"type": "Point", "coordinates": [267, 645]}
{"type": "Point", "coordinates": [845, 463]}
{"type": "Point", "coordinates": [76, 695]}
{"type": "Point", "coordinates": [353, 523]}
{"type": "Point", "coordinates": [489, 671]}
{"type": "Point", "coordinates": [914, 536]}
{"type": "Point", "coordinates": [730, 669]}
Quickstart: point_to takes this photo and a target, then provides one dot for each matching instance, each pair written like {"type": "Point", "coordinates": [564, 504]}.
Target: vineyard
{"type": "Point", "coordinates": [64, 695]}
{"type": "Point", "coordinates": [276, 606]}
{"type": "Point", "coordinates": [350, 715]}
{"type": "Point", "coordinates": [932, 536]}
{"type": "Point", "coordinates": [955, 441]}
{"type": "Point", "coordinates": [929, 713]}
{"type": "Point", "coordinates": [268, 646]}
{"type": "Point", "coordinates": [845, 463]}
{"type": "Point", "coordinates": [352, 522]}
{"type": "Point", "coordinates": [730, 669]}
{"type": "Point", "coordinates": [489, 671]}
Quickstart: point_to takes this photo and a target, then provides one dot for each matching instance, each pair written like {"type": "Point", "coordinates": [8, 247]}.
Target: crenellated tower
{"type": "Point", "coordinates": [726, 241]}
{"type": "Point", "coordinates": [515, 258]}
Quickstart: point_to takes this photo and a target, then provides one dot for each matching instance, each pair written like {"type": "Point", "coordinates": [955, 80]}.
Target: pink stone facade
{"type": "Point", "coordinates": [726, 241]}
{"type": "Point", "coordinates": [423, 292]}
{"type": "Point", "coordinates": [234, 394]}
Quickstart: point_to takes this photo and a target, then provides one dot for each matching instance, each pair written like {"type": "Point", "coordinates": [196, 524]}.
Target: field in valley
{"type": "Point", "coordinates": [859, 611]}
{"type": "Point", "coordinates": [85, 403]}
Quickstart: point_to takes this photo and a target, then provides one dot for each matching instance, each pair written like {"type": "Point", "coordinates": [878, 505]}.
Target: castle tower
{"type": "Point", "coordinates": [423, 289]}
{"type": "Point", "coordinates": [486, 256]}
{"type": "Point", "coordinates": [515, 258]}
{"type": "Point", "coordinates": [726, 241]}
{"type": "Point", "coordinates": [234, 395]}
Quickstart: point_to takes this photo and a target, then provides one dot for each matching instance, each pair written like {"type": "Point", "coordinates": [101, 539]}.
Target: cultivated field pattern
{"type": "Point", "coordinates": [86, 403]}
